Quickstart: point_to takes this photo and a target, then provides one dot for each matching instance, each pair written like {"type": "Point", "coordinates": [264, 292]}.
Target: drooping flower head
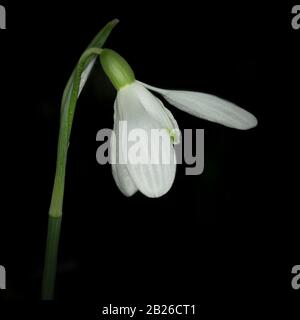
{"type": "Point", "coordinates": [136, 106]}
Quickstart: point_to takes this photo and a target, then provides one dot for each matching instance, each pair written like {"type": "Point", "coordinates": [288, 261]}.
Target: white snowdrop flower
{"type": "Point", "coordinates": [140, 109]}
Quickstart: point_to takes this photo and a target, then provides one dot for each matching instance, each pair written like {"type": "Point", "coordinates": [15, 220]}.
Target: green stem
{"type": "Point", "coordinates": [51, 257]}
{"type": "Point", "coordinates": [69, 101]}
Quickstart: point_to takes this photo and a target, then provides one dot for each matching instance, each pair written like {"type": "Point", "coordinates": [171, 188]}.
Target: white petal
{"type": "Point", "coordinates": [209, 107]}
{"type": "Point", "coordinates": [175, 131]}
{"type": "Point", "coordinates": [154, 107]}
{"type": "Point", "coordinates": [152, 179]}
{"type": "Point", "coordinates": [119, 171]}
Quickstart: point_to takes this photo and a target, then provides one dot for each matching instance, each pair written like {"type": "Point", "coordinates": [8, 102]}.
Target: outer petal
{"type": "Point", "coordinates": [158, 111]}
{"type": "Point", "coordinates": [152, 179]}
{"type": "Point", "coordinates": [154, 107]}
{"type": "Point", "coordinates": [209, 107]}
{"type": "Point", "coordinates": [119, 171]}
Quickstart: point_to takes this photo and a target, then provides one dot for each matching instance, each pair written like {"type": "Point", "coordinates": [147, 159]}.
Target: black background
{"type": "Point", "coordinates": [226, 239]}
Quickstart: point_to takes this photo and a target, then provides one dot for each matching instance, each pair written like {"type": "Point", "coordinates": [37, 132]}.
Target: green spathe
{"type": "Point", "coordinates": [116, 68]}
